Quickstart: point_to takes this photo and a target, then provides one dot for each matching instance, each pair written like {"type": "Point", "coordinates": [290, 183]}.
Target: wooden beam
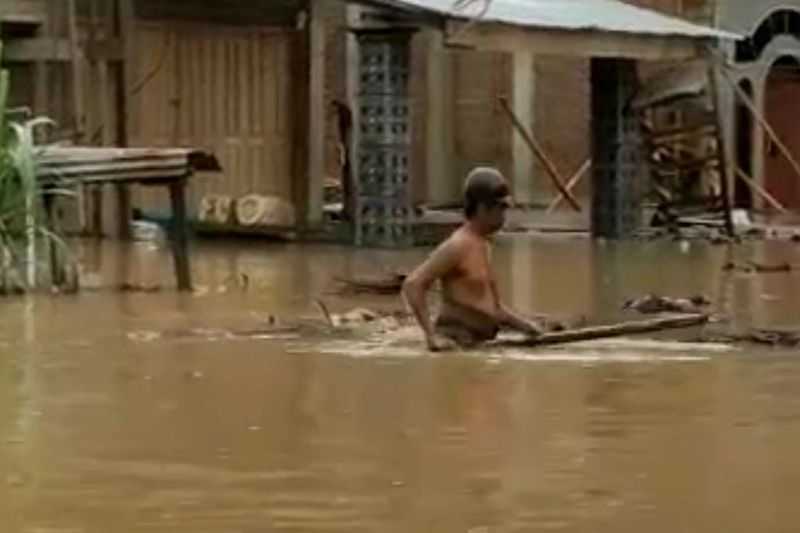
{"type": "Point", "coordinates": [573, 181]}
{"type": "Point", "coordinates": [748, 102]}
{"type": "Point", "coordinates": [758, 189]}
{"type": "Point", "coordinates": [539, 152]}
{"type": "Point", "coordinates": [77, 71]}
{"type": "Point", "coordinates": [180, 235]}
{"type": "Point", "coordinates": [613, 330]}
{"type": "Point", "coordinates": [316, 119]}
{"type": "Point", "coordinates": [586, 43]}
{"type": "Point", "coordinates": [722, 149]}
{"type": "Point", "coordinates": [59, 50]}
{"type": "Point", "coordinates": [299, 100]}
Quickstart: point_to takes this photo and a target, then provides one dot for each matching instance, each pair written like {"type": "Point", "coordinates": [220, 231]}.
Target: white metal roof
{"type": "Point", "coordinates": [600, 15]}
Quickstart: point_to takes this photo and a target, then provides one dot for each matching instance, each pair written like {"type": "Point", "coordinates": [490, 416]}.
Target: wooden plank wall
{"type": "Point", "coordinates": [222, 88]}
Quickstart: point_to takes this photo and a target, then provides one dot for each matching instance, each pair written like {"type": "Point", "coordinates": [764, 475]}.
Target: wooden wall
{"type": "Point", "coordinates": [222, 88]}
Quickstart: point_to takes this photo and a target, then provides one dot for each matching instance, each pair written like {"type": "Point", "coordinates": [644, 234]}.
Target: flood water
{"type": "Point", "coordinates": [124, 413]}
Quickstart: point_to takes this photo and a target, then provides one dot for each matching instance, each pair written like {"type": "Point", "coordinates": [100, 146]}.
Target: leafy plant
{"type": "Point", "coordinates": [22, 217]}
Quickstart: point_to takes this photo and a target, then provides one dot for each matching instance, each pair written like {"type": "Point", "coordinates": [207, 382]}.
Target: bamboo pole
{"type": "Point", "coordinates": [755, 187]}
{"type": "Point", "coordinates": [613, 330]}
{"type": "Point", "coordinates": [571, 184]}
{"type": "Point", "coordinates": [555, 177]}
{"type": "Point", "coordinates": [748, 102]}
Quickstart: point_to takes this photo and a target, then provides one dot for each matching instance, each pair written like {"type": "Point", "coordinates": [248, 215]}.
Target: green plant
{"type": "Point", "coordinates": [22, 217]}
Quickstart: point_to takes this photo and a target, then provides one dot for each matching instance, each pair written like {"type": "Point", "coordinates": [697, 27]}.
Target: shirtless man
{"type": "Point", "coordinates": [471, 311]}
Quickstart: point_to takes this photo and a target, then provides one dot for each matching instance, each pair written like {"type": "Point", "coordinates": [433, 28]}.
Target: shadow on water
{"type": "Point", "coordinates": [103, 428]}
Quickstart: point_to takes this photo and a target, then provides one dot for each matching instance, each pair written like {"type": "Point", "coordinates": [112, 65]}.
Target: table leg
{"type": "Point", "coordinates": [180, 234]}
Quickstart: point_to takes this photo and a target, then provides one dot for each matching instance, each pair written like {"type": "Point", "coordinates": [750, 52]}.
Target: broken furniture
{"type": "Point", "coordinates": [681, 125]}
{"type": "Point", "coordinates": [170, 168]}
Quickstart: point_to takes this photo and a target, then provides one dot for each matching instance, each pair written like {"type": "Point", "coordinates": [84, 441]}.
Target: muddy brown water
{"type": "Point", "coordinates": [110, 424]}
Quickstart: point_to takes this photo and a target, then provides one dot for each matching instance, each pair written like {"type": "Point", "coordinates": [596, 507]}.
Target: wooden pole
{"type": "Point", "coordinates": [180, 234]}
{"type": "Point", "coordinates": [77, 71]}
{"type": "Point", "coordinates": [748, 102]}
{"type": "Point", "coordinates": [571, 184]}
{"type": "Point", "coordinates": [316, 115]}
{"type": "Point", "coordinates": [539, 152]}
{"type": "Point", "coordinates": [76, 65]}
{"type": "Point", "coordinates": [724, 168]}
{"type": "Point", "coordinates": [613, 330]}
{"type": "Point", "coordinates": [758, 189]}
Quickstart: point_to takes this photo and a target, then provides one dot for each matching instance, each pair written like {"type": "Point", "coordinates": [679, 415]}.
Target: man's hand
{"type": "Point", "coordinates": [438, 343]}
{"type": "Point", "coordinates": [532, 329]}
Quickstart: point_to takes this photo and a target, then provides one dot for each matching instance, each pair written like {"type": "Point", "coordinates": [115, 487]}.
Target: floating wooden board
{"type": "Point", "coordinates": [613, 330]}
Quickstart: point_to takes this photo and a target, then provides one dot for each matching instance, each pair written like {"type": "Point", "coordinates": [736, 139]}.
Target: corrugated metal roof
{"type": "Point", "coordinates": [98, 165]}
{"type": "Point", "coordinates": [600, 15]}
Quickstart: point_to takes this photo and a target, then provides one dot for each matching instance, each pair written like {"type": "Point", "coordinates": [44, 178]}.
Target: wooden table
{"type": "Point", "coordinates": [122, 167]}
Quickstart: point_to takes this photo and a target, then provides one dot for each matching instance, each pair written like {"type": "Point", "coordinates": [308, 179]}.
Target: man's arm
{"type": "Point", "coordinates": [510, 319]}
{"type": "Point", "coordinates": [416, 286]}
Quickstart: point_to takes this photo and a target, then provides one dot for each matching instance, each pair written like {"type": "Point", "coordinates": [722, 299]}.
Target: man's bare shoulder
{"type": "Point", "coordinates": [456, 244]}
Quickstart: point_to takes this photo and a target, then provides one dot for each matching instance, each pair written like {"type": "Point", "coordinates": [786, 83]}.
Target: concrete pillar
{"type": "Point", "coordinates": [616, 150]}
{"type": "Point", "coordinates": [523, 87]}
{"type": "Point", "coordinates": [384, 212]}
{"type": "Point", "coordinates": [441, 183]}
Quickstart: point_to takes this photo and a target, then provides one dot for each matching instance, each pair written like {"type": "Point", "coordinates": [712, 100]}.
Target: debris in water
{"type": "Point", "coordinates": [760, 268]}
{"type": "Point", "coordinates": [134, 287]}
{"type": "Point", "coordinates": [777, 338]}
{"type": "Point", "coordinates": [652, 304]}
{"type": "Point", "coordinates": [144, 336]}
{"type": "Point", "coordinates": [389, 284]}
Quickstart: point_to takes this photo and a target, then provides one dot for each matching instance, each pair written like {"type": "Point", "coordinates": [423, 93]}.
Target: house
{"type": "Point", "coordinates": [230, 77]}
{"type": "Point", "coordinates": [253, 81]}
{"type": "Point", "coordinates": [765, 67]}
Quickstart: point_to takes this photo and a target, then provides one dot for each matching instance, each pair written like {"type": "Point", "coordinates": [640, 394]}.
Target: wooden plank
{"type": "Point", "coordinates": [125, 18]}
{"type": "Point", "coordinates": [539, 152]}
{"type": "Point", "coordinates": [748, 102]}
{"type": "Point", "coordinates": [613, 330]}
{"type": "Point", "coordinates": [180, 234]}
{"type": "Point", "coordinates": [299, 98]}
{"type": "Point", "coordinates": [758, 189]}
{"type": "Point", "coordinates": [571, 184]}
{"type": "Point", "coordinates": [124, 210]}
{"type": "Point", "coordinates": [680, 134]}
{"type": "Point", "coordinates": [725, 168]}
{"type": "Point", "coordinates": [76, 66]}
{"type": "Point", "coordinates": [316, 120]}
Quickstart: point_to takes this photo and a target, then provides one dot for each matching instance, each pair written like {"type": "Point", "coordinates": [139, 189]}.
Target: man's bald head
{"type": "Point", "coordinates": [484, 186]}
